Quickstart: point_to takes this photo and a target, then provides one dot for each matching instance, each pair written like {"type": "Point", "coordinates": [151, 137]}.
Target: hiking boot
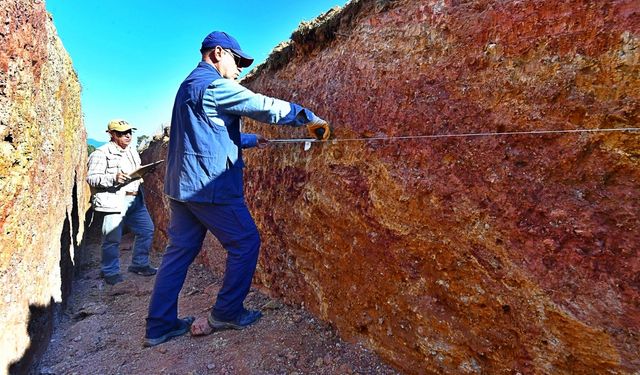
{"type": "Point", "coordinates": [180, 329]}
{"type": "Point", "coordinates": [245, 319]}
{"type": "Point", "coordinates": [143, 270]}
{"type": "Point", "coordinates": [113, 279]}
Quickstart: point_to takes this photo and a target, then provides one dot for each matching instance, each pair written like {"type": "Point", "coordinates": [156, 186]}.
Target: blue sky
{"type": "Point", "coordinates": [132, 55]}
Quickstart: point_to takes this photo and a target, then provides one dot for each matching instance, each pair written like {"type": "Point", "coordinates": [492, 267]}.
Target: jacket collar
{"type": "Point", "coordinates": [205, 65]}
{"type": "Point", "coordinates": [115, 149]}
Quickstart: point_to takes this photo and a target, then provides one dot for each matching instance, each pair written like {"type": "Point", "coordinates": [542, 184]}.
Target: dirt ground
{"type": "Point", "coordinates": [102, 329]}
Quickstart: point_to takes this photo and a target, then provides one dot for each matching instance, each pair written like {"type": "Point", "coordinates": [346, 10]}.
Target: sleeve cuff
{"type": "Point", "coordinates": [248, 140]}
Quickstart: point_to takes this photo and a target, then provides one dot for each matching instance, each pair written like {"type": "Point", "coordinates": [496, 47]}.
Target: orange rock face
{"type": "Point", "coordinates": [43, 156]}
{"type": "Point", "coordinates": [461, 255]}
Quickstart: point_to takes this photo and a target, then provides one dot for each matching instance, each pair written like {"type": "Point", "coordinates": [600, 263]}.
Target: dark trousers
{"type": "Point", "coordinates": [234, 227]}
{"type": "Point", "coordinates": [137, 218]}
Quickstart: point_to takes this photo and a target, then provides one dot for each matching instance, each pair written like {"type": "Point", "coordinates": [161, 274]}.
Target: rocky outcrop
{"type": "Point", "coordinates": [44, 197]}
{"type": "Point", "coordinates": [461, 255]}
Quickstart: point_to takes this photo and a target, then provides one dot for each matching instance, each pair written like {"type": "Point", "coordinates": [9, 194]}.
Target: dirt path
{"type": "Point", "coordinates": [102, 329]}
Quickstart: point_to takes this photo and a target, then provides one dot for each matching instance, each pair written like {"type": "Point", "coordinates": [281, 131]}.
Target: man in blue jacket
{"type": "Point", "coordinates": [204, 184]}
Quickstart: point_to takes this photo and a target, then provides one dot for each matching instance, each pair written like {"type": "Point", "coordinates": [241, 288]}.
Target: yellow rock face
{"type": "Point", "coordinates": [42, 171]}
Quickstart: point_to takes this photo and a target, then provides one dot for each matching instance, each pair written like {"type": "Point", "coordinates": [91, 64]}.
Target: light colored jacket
{"type": "Point", "coordinates": [104, 163]}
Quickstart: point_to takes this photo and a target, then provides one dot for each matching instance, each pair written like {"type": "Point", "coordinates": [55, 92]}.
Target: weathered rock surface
{"type": "Point", "coordinates": [42, 171]}
{"type": "Point", "coordinates": [461, 255]}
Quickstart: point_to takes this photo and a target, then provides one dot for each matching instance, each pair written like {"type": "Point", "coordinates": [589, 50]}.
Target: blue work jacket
{"type": "Point", "coordinates": [204, 160]}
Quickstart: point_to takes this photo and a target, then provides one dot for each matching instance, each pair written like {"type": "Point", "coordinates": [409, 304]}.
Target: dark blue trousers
{"type": "Point", "coordinates": [234, 227]}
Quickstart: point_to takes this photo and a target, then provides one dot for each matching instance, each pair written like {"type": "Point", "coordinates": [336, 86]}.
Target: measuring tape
{"type": "Point", "coordinates": [459, 135]}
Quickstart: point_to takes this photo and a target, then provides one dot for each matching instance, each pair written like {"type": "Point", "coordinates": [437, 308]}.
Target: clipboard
{"type": "Point", "coordinates": [143, 170]}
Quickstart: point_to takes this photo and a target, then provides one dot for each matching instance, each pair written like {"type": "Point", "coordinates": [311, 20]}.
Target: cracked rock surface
{"type": "Point", "coordinates": [459, 255]}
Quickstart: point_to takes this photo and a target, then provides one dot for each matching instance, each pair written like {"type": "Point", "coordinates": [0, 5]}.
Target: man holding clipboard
{"type": "Point", "coordinates": [115, 176]}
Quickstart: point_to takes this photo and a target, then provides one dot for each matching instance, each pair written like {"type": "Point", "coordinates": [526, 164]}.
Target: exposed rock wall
{"type": "Point", "coordinates": [466, 255]}
{"type": "Point", "coordinates": [43, 196]}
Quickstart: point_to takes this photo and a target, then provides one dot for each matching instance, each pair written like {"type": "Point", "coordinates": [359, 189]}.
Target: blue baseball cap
{"type": "Point", "coordinates": [224, 40]}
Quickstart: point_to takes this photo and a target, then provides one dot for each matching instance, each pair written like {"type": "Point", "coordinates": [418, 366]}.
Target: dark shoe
{"type": "Point", "coordinates": [246, 318]}
{"type": "Point", "coordinates": [182, 327]}
{"type": "Point", "coordinates": [143, 270]}
{"type": "Point", "coordinates": [113, 279]}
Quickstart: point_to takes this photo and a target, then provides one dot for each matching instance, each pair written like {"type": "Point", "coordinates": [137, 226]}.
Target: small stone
{"type": "Point", "coordinates": [328, 359]}
{"type": "Point", "coordinates": [272, 305]}
{"type": "Point", "coordinates": [291, 356]}
{"type": "Point", "coordinates": [90, 309]}
{"type": "Point", "coordinates": [212, 289]}
{"type": "Point", "coordinates": [77, 338]}
{"type": "Point", "coordinates": [201, 327]}
{"type": "Point", "coordinates": [318, 363]}
{"type": "Point", "coordinates": [211, 366]}
{"type": "Point", "coordinates": [193, 291]}
{"type": "Point", "coordinates": [122, 288]}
